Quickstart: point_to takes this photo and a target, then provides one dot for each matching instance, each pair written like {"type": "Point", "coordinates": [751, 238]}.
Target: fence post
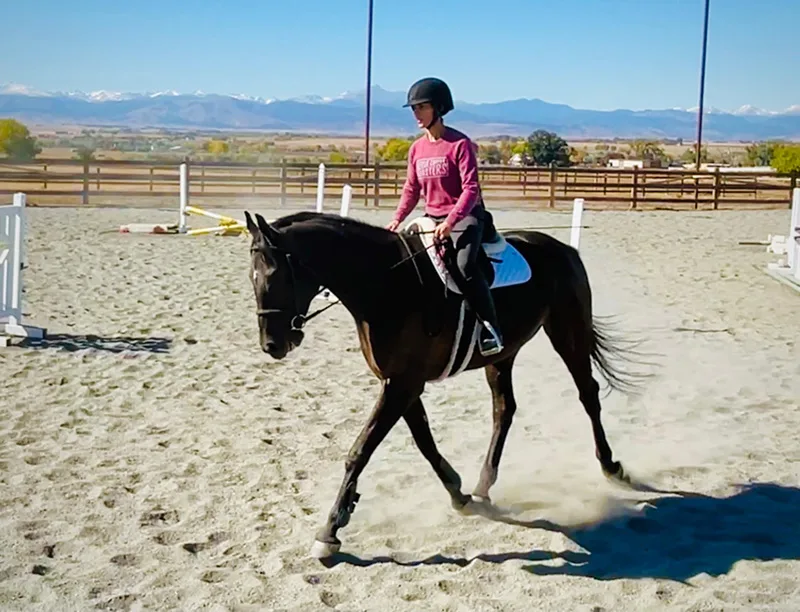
{"type": "Point", "coordinates": [85, 198]}
{"type": "Point", "coordinates": [635, 188]}
{"type": "Point", "coordinates": [717, 185]}
{"type": "Point", "coordinates": [377, 200]}
{"type": "Point", "coordinates": [283, 182]}
{"type": "Point", "coordinates": [552, 199]}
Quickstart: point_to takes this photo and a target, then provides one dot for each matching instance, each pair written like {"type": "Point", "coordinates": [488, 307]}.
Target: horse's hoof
{"type": "Point", "coordinates": [617, 474]}
{"type": "Point", "coordinates": [323, 550]}
{"type": "Point", "coordinates": [475, 506]}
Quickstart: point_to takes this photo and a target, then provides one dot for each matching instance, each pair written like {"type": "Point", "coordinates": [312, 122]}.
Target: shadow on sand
{"type": "Point", "coordinates": [112, 344]}
{"type": "Point", "coordinates": [673, 538]}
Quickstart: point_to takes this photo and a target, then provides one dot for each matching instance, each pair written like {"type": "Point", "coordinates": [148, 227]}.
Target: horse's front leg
{"type": "Point", "coordinates": [396, 397]}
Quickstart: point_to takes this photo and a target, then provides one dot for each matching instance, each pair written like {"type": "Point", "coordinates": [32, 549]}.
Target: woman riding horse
{"type": "Point", "coordinates": [442, 167]}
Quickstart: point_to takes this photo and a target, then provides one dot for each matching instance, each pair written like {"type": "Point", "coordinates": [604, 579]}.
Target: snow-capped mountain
{"type": "Point", "coordinates": [344, 113]}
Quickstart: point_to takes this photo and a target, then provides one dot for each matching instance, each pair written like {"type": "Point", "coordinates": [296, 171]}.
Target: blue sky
{"type": "Point", "coordinates": [600, 54]}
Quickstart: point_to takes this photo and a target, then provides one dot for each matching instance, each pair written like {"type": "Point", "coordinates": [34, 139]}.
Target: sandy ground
{"type": "Point", "coordinates": [153, 458]}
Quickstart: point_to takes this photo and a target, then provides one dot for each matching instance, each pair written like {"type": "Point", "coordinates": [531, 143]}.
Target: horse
{"type": "Point", "coordinates": [407, 323]}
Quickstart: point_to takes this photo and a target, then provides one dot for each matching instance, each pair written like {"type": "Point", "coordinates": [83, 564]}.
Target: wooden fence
{"type": "Point", "coordinates": [63, 182]}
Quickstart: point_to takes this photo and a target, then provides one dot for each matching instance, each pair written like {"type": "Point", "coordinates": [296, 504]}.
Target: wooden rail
{"type": "Point", "coordinates": [60, 182]}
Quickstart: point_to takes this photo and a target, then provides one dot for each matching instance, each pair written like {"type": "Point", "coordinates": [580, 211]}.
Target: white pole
{"type": "Point", "coordinates": [15, 314]}
{"type": "Point", "coordinates": [320, 187]}
{"type": "Point", "coordinates": [577, 213]}
{"type": "Point", "coordinates": [184, 196]}
{"type": "Point", "coordinates": [793, 255]}
{"type": "Point", "coordinates": [347, 194]}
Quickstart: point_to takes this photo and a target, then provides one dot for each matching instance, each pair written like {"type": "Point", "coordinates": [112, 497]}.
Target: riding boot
{"type": "Point", "coordinates": [490, 341]}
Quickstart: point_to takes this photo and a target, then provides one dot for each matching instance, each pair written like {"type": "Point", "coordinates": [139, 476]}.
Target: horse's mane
{"type": "Point", "coordinates": [310, 220]}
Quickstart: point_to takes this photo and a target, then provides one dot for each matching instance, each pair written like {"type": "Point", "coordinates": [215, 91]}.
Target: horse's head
{"type": "Point", "coordinates": [283, 289]}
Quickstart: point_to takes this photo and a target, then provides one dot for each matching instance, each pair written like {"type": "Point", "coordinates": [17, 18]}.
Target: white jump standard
{"type": "Point", "coordinates": [787, 270]}
{"type": "Point", "coordinates": [12, 252]}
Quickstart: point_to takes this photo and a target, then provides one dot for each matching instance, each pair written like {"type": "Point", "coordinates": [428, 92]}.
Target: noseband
{"type": "Point", "coordinates": [298, 319]}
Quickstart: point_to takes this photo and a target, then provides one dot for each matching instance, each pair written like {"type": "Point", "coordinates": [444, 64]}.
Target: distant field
{"type": "Point", "coordinates": [314, 146]}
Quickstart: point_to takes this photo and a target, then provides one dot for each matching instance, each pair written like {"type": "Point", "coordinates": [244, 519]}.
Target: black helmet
{"type": "Point", "coordinates": [431, 90]}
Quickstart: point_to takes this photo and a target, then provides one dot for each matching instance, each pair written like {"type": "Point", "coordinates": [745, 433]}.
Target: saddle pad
{"type": "Point", "coordinates": [510, 267]}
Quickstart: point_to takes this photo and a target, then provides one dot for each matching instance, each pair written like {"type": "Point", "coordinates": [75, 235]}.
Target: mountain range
{"type": "Point", "coordinates": [344, 114]}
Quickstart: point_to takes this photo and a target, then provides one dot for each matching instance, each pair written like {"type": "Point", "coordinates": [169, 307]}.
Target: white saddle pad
{"type": "Point", "coordinates": [510, 267]}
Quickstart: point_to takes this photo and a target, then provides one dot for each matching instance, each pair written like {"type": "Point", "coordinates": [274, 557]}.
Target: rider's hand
{"type": "Point", "coordinates": [393, 225]}
{"type": "Point", "coordinates": [442, 230]}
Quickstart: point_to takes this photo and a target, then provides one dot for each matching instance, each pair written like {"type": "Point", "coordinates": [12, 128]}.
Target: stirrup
{"type": "Point", "coordinates": [491, 345]}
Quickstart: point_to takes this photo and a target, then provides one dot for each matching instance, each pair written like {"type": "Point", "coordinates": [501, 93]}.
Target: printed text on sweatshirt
{"type": "Point", "coordinates": [445, 173]}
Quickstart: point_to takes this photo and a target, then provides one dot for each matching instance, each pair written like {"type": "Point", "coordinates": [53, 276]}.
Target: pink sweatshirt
{"type": "Point", "coordinates": [445, 173]}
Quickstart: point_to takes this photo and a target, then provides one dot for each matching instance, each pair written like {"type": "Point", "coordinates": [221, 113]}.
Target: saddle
{"type": "Point", "coordinates": [503, 264]}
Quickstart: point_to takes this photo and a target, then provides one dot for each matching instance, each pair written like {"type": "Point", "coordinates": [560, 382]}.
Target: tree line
{"type": "Point", "coordinates": [541, 148]}
{"type": "Point", "coordinates": [544, 149]}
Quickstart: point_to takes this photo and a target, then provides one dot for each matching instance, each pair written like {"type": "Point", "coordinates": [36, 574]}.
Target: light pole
{"type": "Point", "coordinates": [369, 84]}
{"type": "Point", "coordinates": [702, 89]}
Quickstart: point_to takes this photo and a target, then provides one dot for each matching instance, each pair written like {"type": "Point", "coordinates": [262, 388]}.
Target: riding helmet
{"type": "Point", "coordinates": [431, 90]}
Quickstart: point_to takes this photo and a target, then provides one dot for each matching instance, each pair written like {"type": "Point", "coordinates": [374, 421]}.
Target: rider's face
{"type": "Point", "coordinates": [423, 113]}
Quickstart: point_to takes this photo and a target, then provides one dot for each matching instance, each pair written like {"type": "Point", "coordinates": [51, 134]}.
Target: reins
{"type": "Point", "coordinates": [299, 320]}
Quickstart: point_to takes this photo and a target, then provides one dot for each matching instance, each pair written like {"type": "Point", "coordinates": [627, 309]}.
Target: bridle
{"type": "Point", "coordinates": [298, 320]}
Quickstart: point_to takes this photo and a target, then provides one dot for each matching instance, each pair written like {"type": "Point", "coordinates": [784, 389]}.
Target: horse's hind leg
{"type": "Point", "coordinates": [504, 406]}
{"type": "Point", "coordinates": [417, 422]}
{"type": "Point", "coordinates": [572, 338]}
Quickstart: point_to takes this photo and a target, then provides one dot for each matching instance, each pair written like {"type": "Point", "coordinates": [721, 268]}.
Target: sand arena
{"type": "Point", "coordinates": [152, 457]}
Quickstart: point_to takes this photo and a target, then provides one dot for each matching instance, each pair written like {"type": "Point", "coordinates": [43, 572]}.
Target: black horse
{"type": "Point", "coordinates": [407, 327]}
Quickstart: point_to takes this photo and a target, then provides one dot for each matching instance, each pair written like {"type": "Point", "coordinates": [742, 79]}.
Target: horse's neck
{"type": "Point", "coordinates": [355, 268]}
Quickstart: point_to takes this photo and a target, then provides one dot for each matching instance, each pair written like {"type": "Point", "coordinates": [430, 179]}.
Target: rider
{"type": "Point", "coordinates": [442, 167]}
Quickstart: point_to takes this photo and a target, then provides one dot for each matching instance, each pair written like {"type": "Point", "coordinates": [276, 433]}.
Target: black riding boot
{"type": "Point", "coordinates": [473, 283]}
{"type": "Point", "coordinates": [480, 298]}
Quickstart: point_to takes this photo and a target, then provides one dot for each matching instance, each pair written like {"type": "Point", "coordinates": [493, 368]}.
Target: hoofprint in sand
{"type": "Point", "coordinates": [152, 457]}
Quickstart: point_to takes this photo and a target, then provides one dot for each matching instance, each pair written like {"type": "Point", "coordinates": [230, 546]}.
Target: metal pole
{"type": "Point", "coordinates": [702, 89]}
{"type": "Point", "coordinates": [369, 83]}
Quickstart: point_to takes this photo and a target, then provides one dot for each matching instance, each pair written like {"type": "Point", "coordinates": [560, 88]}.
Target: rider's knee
{"type": "Point", "coordinates": [466, 263]}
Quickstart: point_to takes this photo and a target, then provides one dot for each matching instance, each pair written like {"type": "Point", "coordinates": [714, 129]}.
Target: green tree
{"type": "Point", "coordinates": [546, 148]}
{"type": "Point", "coordinates": [16, 141]}
{"type": "Point", "coordinates": [217, 147]}
{"type": "Point", "coordinates": [520, 148]}
{"type": "Point", "coordinates": [84, 153]}
{"type": "Point", "coordinates": [505, 151]}
{"type": "Point", "coordinates": [648, 150]}
{"type": "Point", "coordinates": [760, 153]}
{"type": "Point", "coordinates": [337, 157]}
{"type": "Point", "coordinates": [395, 149]}
{"type": "Point", "coordinates": [577, 156]}
{"type": "Point", "coordinates": [490, 154]}
{"type": "Point", "coordinates": [786, 158]}
{"type": "Point", "coordinates": [689, 156]}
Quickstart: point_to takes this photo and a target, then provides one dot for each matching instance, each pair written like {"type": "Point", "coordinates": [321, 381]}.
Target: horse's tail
{"type": "Point", "coordinates": [611, 354]}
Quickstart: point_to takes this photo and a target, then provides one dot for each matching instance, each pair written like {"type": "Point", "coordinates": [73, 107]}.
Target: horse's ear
{"type": "Point", "coordinates": [271, 235]}
{"type": "Point", "coordinates": [251, 226]}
